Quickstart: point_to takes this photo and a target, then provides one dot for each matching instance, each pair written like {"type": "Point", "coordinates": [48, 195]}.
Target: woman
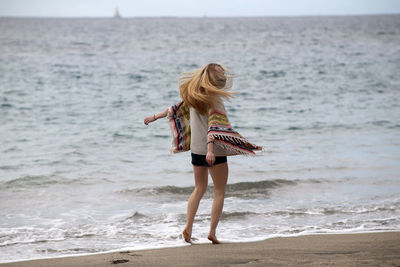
{"type": "Point", "coordinates": [199, 123]}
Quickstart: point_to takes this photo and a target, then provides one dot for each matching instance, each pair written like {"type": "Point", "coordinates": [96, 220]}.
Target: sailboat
{"type": "Point", "coordinates": [116, 14]}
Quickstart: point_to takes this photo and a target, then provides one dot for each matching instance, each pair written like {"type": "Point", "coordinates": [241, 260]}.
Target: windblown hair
{"type": "Point", "coordinates": [202, 88]}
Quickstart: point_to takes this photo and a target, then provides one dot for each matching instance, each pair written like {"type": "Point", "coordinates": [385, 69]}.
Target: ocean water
{"type": "Point", "coordinates": [80, 172]}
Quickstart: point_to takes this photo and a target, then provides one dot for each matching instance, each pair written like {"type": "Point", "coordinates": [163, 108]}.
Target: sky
{"type": "Point", "coordinates": [189, 8]}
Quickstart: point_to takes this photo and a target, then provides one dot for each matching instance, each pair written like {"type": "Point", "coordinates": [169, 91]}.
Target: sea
{"type": "Point", "coordinates": [80, 173]}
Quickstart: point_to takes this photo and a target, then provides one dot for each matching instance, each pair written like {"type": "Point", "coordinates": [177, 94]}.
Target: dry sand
{"type": "Point", "coordinates": [369, 249]}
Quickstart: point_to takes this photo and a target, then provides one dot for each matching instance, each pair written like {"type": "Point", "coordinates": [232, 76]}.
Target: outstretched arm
{"type": "Point", "coordinates": [155, 117]}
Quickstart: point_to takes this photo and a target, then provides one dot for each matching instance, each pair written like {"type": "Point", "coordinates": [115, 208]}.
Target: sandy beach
{"type": "Point", "coordinates": [367, 249]}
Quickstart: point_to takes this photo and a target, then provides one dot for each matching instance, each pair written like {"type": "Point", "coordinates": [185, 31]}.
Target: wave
{"type": "Point", "coordinates": [135, 216]}
{"type": "Point", "coordinates": [271, 74]}
{"type": "Point", "coordinates": [32, 181]}
{"type": "Point", "coordinates": [128, 223]}
{"type": "Point", "coordinates": [315, 211]}
{"type": "Point", "coordinates": [6, 105]}
{"type": "Point", "coordinates": [136, 77]}
{"type": "Point", "coordinates": [255, 189]}
{"type": "Point", "coordinates": [236, 215]}
{"type": "Point", "coordinates": [326, 211]}
{"type": "Point", "coordinates": [241, 189]}
{"type": "Point", "coordinates": [337, 126]}
{"type": "Point", "coordinates": [322, 126]}
{"type": "Point", "coordinates": [289, 213]}
{"type": "Point", "coordinates": [380, 123]}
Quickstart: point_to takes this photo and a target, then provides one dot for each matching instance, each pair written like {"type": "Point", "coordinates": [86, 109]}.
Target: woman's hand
{"type": "Point", "coordinates": [149, 119]}
{"type": "Point", "coordinates": [210, 158]}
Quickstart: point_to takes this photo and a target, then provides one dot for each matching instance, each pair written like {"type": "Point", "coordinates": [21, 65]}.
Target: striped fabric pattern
{"type": "Point", "coordinates": [224, 135]}
{"type": "Point", "coordinates": [179, 122]}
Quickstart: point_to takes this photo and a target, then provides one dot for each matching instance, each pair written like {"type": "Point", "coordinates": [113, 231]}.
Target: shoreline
{"type": "Point", "coordinates": [344, 249]}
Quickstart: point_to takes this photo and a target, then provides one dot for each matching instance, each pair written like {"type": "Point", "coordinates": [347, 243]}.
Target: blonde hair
{"type": "Point", "coordinates": [202, 88]}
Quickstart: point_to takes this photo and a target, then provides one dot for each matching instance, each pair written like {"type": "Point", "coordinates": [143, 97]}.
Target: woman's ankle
{"type": "Point", "coordinates": [187, 230]}
{"type": "Point", "coordinates": [211, 233]}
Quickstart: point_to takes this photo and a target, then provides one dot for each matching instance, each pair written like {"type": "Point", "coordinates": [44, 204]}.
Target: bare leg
{"type": "Point", "coordinates": [201, 182]}
{"type": "Point", "coordinates": [219, 174]}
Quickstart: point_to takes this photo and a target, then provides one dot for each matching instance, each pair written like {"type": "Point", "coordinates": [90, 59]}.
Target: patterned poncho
{"type": "Point", "coordinates": [219, 129]}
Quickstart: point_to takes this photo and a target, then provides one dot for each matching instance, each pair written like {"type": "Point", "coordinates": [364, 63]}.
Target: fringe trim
{"type": "Point", "coordinates": [232, 149]}
{"type": "Point", "coordinates": [234, 139]}
{"type": "Point", "coordinates": [228, 143]}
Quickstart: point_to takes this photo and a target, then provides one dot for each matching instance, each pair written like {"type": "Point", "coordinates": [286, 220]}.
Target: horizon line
{"type": "Point", "coordinates": [199, 16]}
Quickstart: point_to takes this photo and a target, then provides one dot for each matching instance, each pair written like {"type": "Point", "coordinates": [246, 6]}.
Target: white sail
{"type": "Point", "coordinates": [116, 13]}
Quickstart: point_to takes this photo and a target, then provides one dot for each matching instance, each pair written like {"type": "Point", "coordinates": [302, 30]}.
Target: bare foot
{"type": "Point", "coordinates": [213, 239]}
{"type": "Point", "coordinates": [186, 236]}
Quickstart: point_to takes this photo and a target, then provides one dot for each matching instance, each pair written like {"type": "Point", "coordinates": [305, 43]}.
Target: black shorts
{"type": "Point", "coordinates": [200, 160]}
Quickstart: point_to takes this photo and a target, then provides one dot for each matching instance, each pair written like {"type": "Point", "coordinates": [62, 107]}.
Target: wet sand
{"type": "Point", "coordinates": [368, 249]}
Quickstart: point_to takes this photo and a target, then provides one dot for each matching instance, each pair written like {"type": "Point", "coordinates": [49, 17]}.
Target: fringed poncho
{"type": "Point", "coordinates": [219, 129]}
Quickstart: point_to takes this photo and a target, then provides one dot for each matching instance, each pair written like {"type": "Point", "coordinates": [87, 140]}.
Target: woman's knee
{"type": "Point", "coordinates": [200, 190]}
{"type": "Point", "coordinates": [219, 191]}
